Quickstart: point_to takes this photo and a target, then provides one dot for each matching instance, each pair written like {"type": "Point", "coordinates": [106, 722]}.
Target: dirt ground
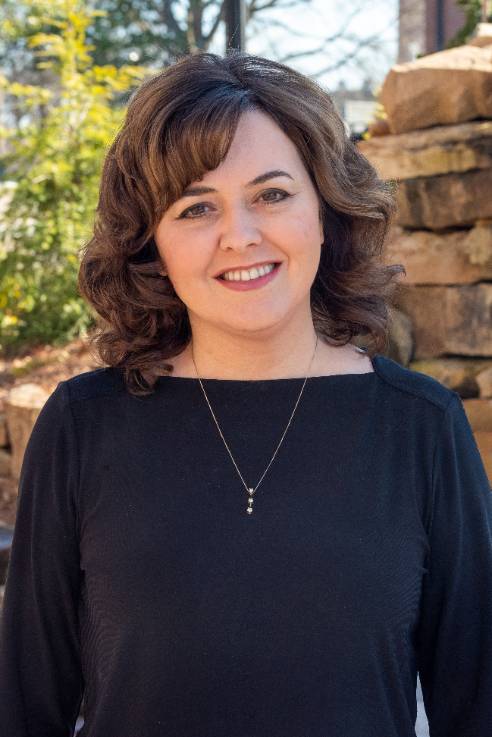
{"type": "Point", "coordinates": [44, 366]}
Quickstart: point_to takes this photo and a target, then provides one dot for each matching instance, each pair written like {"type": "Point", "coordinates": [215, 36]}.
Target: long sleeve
{"type": "Point", "coordinates": [41, 683]}
{"type": "Point", "coordinates": [455, 629]}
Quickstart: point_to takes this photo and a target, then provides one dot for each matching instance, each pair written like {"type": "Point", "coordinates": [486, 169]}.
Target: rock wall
{"type": "Point", "coordinates": [437, 147]}
{"type": "Point", "coordinates": [17, 417]}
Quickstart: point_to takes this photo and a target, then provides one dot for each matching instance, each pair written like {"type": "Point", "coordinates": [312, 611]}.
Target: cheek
{"type": "Point", "coordinates": [176, 251]}
{"type": "Point", "coordinates": [304, 235]}
{"type": "Point", "coordinates": [187, 263]}
{"type": "Point", "coordinates": [180, 252]}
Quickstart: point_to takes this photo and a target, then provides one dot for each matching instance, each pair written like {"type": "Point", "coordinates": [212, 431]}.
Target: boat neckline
{"type": "Point", "coordinates": [358, 376]}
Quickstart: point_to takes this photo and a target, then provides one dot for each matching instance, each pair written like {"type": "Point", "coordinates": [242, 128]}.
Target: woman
{"type": "Point", "coordinates": [243, 525]}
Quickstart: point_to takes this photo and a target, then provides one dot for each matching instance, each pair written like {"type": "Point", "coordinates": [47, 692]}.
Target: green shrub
{"type": "Point", "coordinates": [51, 176]}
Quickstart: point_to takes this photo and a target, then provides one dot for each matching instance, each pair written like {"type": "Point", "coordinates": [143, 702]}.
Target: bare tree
{"type": "Point", "coordinates": [342, 46]}
{"type": "Point", "coordinates": [203, 18]}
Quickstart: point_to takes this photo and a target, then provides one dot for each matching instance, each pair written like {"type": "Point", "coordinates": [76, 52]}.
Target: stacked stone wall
{"type": "Point", "coordinates": [436, 145]}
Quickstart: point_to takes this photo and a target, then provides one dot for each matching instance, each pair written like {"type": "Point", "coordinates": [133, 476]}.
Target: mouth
{"type": "Point", "coordinates": [245, 285]}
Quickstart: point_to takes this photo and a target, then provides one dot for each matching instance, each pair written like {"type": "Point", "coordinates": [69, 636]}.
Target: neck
{"type": "Point", "coordinates": [217, 354]}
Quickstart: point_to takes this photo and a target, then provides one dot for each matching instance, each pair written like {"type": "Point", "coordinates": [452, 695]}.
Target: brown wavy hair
{"type": "Point", "coordinates": [179, 124]}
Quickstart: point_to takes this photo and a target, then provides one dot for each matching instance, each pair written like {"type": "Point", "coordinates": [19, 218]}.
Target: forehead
{"type": "Point", "coordinates": [259, 144]}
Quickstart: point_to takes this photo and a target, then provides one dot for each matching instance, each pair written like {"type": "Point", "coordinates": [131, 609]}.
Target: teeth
{"type": "Point", "coordinates": [244, 275]}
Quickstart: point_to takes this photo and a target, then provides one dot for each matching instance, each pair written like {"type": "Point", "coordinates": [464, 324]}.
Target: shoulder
{"type": "Point", "coordinates": [412, 384]}
{"type": "Point", "coordinates": [398, 379]}
{"type": "Point", "coordinates": [56, 420]}
{"type": "Point", "coordinates": [99, 382]}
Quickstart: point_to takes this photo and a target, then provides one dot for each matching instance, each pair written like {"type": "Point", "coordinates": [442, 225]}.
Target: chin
{"type": "Point", "coordinates": [252, 325]}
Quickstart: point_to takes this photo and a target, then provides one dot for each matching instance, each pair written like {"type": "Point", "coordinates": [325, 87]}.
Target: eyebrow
{"type": "Point", "coordinates": [194, 191]}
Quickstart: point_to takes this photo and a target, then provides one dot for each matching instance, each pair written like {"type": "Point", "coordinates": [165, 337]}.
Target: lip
{"type": "Point", "coordinates": [244, 268]}
{"type": "Point", "coordinates": [242, 286]}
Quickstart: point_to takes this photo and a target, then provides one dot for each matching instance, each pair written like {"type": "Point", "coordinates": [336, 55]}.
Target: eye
{"type": "Point", "coordinates": [192, 209]}
{"type": "Point", "coordinates": [195, 211]}
{"type": "Point", "coordinates": [281, 192]}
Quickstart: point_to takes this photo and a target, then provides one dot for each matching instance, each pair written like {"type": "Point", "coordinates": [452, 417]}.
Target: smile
{"type": "Point", "coordinates": [241, 286]}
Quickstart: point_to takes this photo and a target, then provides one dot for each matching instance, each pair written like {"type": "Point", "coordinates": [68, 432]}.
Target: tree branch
{"type": "Point", "coordinates": [252, 8]}
{"type": "Point", "coordinates": [218, 18]}
{"type": "Point", "coordinates": [363, 43]}
{"type": "Point", "coordinates": [168, 18]}
{"type": "Point", "coordinates": [340, 35]}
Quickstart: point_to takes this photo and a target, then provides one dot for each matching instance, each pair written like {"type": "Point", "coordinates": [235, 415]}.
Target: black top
{"type": "Point", "coordinates": [138, 579]}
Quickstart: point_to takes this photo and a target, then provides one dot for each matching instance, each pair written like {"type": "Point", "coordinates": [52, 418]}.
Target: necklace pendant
{"type": "Point", "coordinates": [251, 490]}
{"type": "Point", "coordinates": [250, 501]}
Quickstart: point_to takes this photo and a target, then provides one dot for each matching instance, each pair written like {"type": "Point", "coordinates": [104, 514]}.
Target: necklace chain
{"type": "Point", "coordinates": [252, 490]}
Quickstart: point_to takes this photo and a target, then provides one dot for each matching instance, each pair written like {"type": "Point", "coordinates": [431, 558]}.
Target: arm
{"type": "Point", "coordinates": [454, 638]}
{"type": "Point", "coordinates": [41, 683]}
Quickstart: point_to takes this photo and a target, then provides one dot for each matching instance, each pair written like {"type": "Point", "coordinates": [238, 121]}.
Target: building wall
{"type": "Point", "coordinates": [425, 26]}
{"type": "Point", "coordinates": [443, 19]}
{"type": "Point", "coordinates": [411, 26]}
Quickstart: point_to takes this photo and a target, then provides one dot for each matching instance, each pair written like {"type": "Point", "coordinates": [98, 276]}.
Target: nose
{"type": "Point", "coordinates": [239, 230]}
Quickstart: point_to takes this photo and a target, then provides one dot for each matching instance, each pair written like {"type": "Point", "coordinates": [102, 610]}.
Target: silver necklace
{"type": "Point", "coordinates": [250, 490]}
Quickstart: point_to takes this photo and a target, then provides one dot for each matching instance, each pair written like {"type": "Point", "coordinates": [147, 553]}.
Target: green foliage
{"type": "Point", "coordinates": [143, 30]}
{"type": "Point", "coordinates": [473, 14]}
{"type": "Point", "coordinates": [51, 177]}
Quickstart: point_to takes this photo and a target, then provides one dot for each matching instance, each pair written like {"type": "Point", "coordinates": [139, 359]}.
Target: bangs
{"type": "Point", "coordinates": [195, 139]}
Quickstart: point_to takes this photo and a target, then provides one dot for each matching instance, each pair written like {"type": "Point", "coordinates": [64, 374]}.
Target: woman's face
{"type": "Point", "coordinates": [234, 222]}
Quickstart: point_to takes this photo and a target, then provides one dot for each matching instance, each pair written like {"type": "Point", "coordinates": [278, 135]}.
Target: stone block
{"type": "Point", "coordinates": [453, 257]}
{"type": "Point", "coordinates": [484, 382]}
{"type": "Point", "coordinates": [430, 152]}
{"type": "Point", "coordinates": [22, 407]}
{"type": "Point", "coordinates": [450, 86]}
{"type": "Point", "coordinates": [484, 443]}
{"type": "Point", "coordinates": [5, 462]}
{"type": "Point", "coordinates": [454, 320]}
{"type": "Point", "coordinates": [459, 374]}
{"type": "Point", "coordinates": [446, 201]}
{"type": "Point", "coordinates": [4, 439]}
